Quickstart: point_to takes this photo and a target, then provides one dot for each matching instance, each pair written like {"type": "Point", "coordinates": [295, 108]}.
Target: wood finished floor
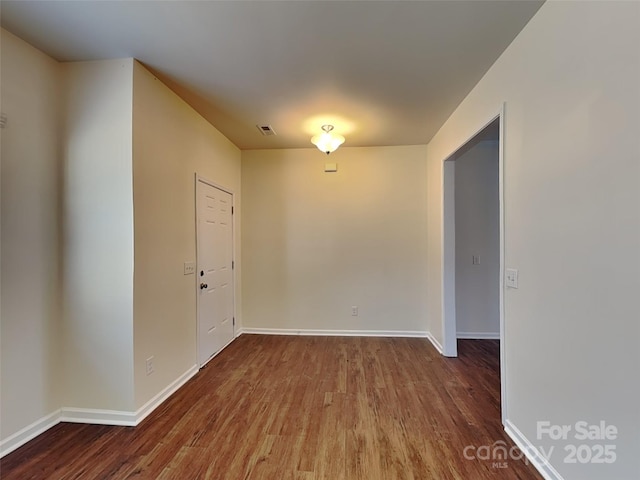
{"type": "Point", "coordinates": [300, 408]}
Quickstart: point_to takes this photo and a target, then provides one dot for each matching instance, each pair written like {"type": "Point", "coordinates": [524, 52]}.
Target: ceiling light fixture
{"type": "Point", "coordinates": [327, 142]}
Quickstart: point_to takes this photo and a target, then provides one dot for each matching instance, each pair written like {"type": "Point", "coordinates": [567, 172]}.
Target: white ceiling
{"type": "Point", "coordinates": [383, 72]}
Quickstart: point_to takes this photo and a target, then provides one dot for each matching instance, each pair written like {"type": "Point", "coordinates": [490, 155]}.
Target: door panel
{"type": "Point", "coordinates": [215, 272]}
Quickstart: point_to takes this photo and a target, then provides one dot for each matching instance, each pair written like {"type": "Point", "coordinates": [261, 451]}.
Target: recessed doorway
{"type": "Point", "coordinates": [473, 243]}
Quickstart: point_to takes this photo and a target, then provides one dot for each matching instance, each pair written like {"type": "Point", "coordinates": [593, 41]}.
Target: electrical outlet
{"type": "Point", "coordinates": [189, 268]}
{"type": "Point", "coordinates": [511, 277]}
{"type": "Point", "coordinates": [354, 310]}
{"type": "Point", "coordinates": [475, 259]}
{"type": "Point", "coordinates": [149, 365]}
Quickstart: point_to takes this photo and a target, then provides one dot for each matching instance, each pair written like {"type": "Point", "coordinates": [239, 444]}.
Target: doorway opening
{"type": "Point", "coordinates": [473, 243]}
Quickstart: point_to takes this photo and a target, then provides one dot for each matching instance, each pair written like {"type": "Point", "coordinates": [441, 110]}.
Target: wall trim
{"type": "Point", "coordinates": [531, 452]}
{"type": "Point", "coordinates": [93, 416]}
{"type": "Point", "coordinates": [337, 333]}
{"type": "Point", "coordinates": [97, 416]}
{"type": "Point", "coordinates": [169, 390]}
{"type": "Point", "coordinates": [479, 335]}
{"type": "Point", "coordinates": [12, 442]}
{"type": "Point", "coordinates": [436, 344]}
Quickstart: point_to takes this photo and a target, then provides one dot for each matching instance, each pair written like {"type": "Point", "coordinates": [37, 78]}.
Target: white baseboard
{"type": "Point", "coordinates": [435, 343]}
{"type": "Point", "coordinates": [336, 333]}
{"type": "Point", "coordinates": [124, 418]}
{"type": "Point", "coordinates": [97, 416]}
{"type": "Point", "coordinates": [169, 390]}
{"type": "Point", "coordinates": [93, 416]}
{"type": "Point", "coordinates": [478, 335]}
{"type": "Point", "coordinates": [531, 452]}
{"type": "Point", "coordinates": [29, 432]}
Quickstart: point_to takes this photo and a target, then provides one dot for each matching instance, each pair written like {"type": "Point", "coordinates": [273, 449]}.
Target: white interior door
{"type": "Point", "coordinates": [215, 270]}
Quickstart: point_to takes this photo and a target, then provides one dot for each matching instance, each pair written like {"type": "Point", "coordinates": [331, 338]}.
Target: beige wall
{"type": "Point", "coordinates": [98, 235]}
{"type": "Point", "coordinates": [69, 336]}
{"type": "Point", "coordinates": [171, 143]}
{"type": "Point", "coordinates": [570, 81]}
{"type": "Point", "coordinates": [31, 268]}
{"type": "Point", "coordinates": [316, 243]}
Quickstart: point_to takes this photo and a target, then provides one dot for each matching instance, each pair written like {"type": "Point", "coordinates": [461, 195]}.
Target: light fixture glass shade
{"type": "Point", "coordinates": [327, 142]}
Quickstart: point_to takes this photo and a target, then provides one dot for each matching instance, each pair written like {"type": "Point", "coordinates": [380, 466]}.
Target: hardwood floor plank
{"type": "Point", "coordinates": [300, 408]}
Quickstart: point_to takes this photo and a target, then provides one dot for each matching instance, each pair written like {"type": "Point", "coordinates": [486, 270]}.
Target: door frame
{"type": "Point", "coordinates": [449, 328]}
{"type": "Point", "coordinates": [198, 180]}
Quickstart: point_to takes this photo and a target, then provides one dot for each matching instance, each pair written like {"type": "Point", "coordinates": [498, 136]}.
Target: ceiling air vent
{"type": "Point", "coordinates": [266, 130]}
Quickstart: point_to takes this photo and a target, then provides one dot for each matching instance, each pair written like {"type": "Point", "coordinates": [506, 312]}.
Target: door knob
{"type": "Point", "coordinates": [203, 286]}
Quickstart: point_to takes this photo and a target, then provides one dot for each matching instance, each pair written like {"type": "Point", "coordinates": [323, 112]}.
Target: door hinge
{"type": "Point", "coordinates": [233, 265]}
{"type": "Point", "coordinates": [234, 321]}
{"type": "Point", "coordinates": [231, 210]}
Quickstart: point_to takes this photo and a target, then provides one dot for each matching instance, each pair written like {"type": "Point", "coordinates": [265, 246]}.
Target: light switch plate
{"type": "Point", "coordinates": [511, 278]}
{"type": "Point", "coordinates": [189, 268]}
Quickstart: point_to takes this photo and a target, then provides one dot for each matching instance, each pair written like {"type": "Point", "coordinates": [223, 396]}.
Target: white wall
{"type": "Point", "coordinates": [98, 235]}
{"type": "Point", "coordinates": [572, 222]}
{"type": "Point", "coordinates": [171, 142]}
{"type": "Point", "coordinates": [477, 233]}
{"type": "Point", "coordinates": [31, 270]}
{"type": "Point", "coordinates": [316, 243]}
